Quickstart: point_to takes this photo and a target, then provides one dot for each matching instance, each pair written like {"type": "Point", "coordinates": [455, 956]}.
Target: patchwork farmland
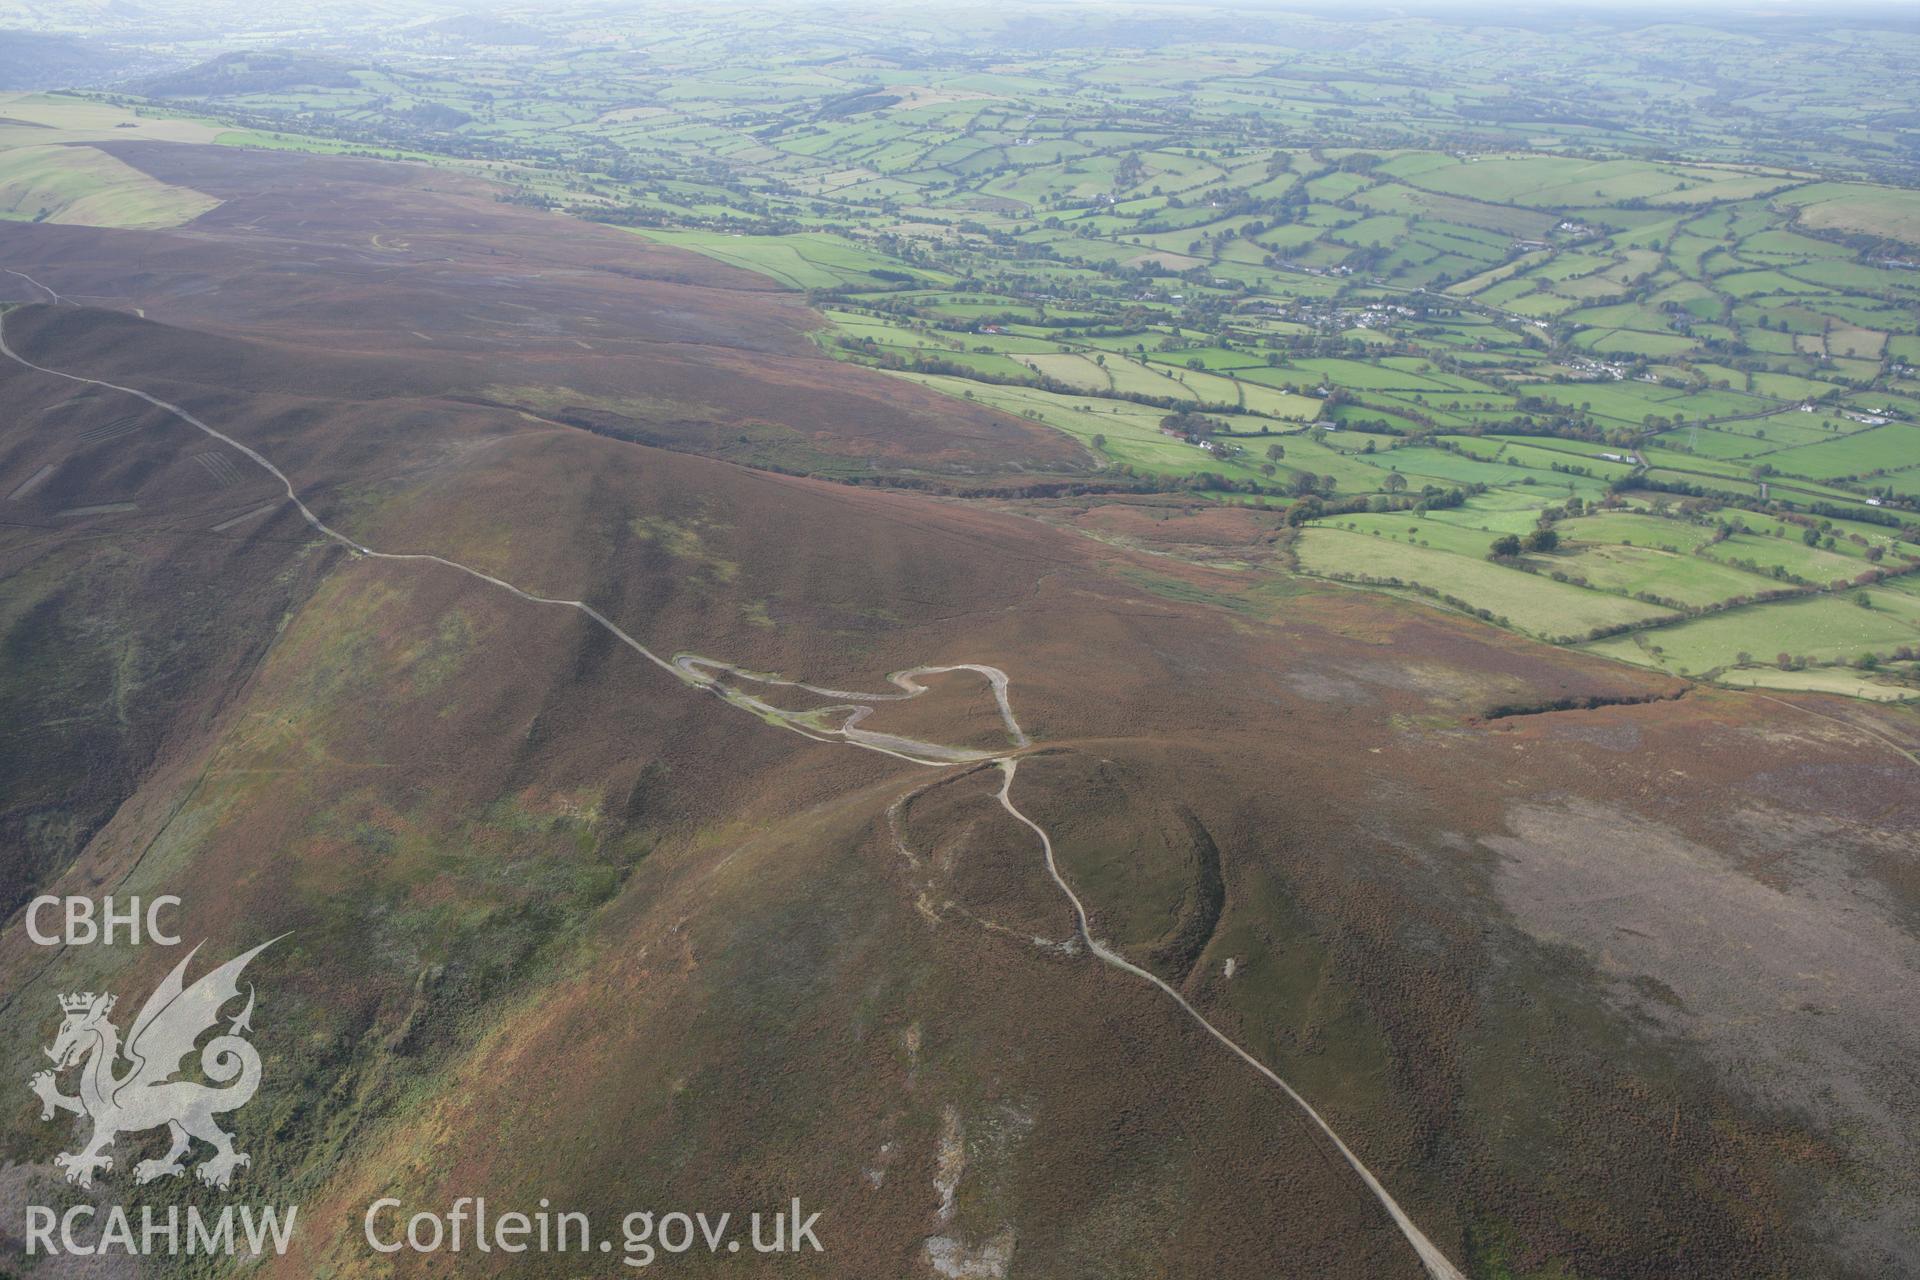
{"type": "Point", "coordinates": [1711, 325]}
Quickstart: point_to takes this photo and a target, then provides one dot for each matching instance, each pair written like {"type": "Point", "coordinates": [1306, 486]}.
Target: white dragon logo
{"type": "Point", "coordinates": [147, 1095]}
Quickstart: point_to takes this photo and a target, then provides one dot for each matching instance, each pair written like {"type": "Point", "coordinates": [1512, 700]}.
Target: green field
{"type": "Point", "coordinates": [48, 173]}
{"type": "Point", "coordinates": [1539, 606]}
{"type": "Point", "coordinates": [804, 260]}
{"type": "Point", "coordinates": [1823, 628]}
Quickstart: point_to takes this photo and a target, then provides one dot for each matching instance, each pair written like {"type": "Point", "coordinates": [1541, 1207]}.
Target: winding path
{"type": "Point", "coordinates": [817, 725]}
{"type": "Point", "coordinates": [858, 706]}
{"type": "Point", "coordinates": [47, 289]}
{"type": "Point", "coordinates": [1436, 1262]}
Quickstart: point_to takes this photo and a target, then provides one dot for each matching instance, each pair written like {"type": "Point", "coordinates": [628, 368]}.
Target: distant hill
{"type": "Point", "coordinates": [30, 60]}
{"type": "Point", "coordinates": [435, 116]}
{"type": "Point", "coordinates": [852, 104]}
{"type": "Point", "coordinates": [485, 28]}
{"type": "Point", "coordinates": [258, 71]}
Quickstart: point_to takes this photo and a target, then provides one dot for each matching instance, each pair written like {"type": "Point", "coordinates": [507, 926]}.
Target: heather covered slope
{"type": "Point", "coordinates": [457, 294]}
{"type": "Point", "coordinates": [486, 826]}
{"type": "Point", "coordinates": [1613, 991]}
